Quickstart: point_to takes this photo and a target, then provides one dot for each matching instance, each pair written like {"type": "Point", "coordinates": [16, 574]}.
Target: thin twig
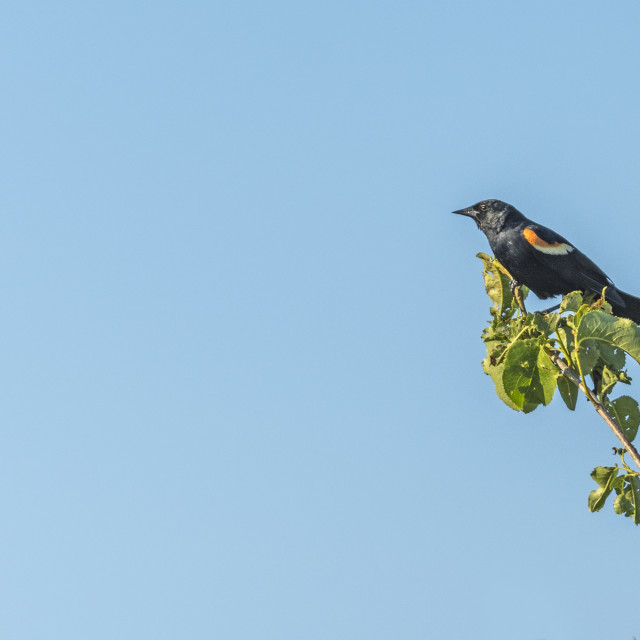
{"type": "Point", "coordinates": [517, 294]}
{"type": "Point", "coordinates": [571, 375]}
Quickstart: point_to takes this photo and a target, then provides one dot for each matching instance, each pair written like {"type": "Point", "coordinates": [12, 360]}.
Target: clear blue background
{"type": "Point", "coordinates": [241, 383]}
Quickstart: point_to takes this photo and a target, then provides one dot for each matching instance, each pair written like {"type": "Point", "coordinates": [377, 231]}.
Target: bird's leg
{"type": "Point", "coordinates": [514, 285]}
{"type": "Point", "coordinates": [596, 376]}
{"type": "Point", "coordinates": [550, 309]}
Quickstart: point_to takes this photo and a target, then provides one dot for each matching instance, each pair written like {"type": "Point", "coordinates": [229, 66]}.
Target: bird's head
{"type": "Point", "coordinates": [489, 215]}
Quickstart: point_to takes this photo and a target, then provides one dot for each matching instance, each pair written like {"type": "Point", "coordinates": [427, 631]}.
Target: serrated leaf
{"type": "Point", "coordinates": [608, 379]}
{"type": "Point", "coordinates": [613, 356]}
{"type": "Point", "coordinates": [617, 332]}
{"type": "Point", "coordinates": [622, 505]}
{"type": "Point", "coordinates": [602, 305]}
{"type": "Point", "coordinates": [605, 477]}
{"type": "Point", "coordinates": [627, 502]}
{"type": "Point", "coordinates": [529, 376]}
{"type": "Point", "coordinates": [496, 331]}
{"type": "Point", "coordinates": [552, 320]}
{"type": "Point", "coordinates": [626, 414]}
{"type": "Point", "coordinates": [585, 309]}
{"type": "Point", "coordinates": [566, 335]}
{"type": "Point", "coordinates": [568, 392]}
{"type": "Point", "coordinates": [588, 354]}
{"type": "Point", "coordinates": [496, 285]}
{"type": "Point", "coordinates": [571, 302]}
{"type": "Point", "coordinates": [544, 324]}
{"type": "Point", "coordinates": [495, 371]}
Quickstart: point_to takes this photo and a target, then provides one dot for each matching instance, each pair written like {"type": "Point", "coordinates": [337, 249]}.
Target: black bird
{"type": "Point", "coordinates": [542, 260]}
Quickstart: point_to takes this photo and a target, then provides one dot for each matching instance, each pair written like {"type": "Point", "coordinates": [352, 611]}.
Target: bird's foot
{"type": "Point", "coordinates": [514, 285]}
{"type": "Point", "coordinates": [549, 310]}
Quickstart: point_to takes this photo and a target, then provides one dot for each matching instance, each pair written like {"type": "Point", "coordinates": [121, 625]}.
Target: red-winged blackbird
{"type": "Point", "coordinates": [542, 260]}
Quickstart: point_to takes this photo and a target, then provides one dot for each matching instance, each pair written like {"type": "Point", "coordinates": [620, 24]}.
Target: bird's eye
{"type": "Point", "coordinates": [483, 207]}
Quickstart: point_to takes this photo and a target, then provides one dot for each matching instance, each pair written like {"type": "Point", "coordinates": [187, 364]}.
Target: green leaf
{"type": "Point", "coordinates": [497, 286]}
{"type": "Point", "coordinates": [626, 415]}
{"type": "Point", "coordinates": [529, 376]}
{"type": "Point", "coordinates": [501, 333]}
{"type": "Point", "coordinates": [581, 312]}
{"type": "Point", "coordinates": [622, 505]}
{"type": "Point", "coordinates": [605, 475]}
{"type": "Point", "coordinates": [571, 302]}
{"type": "Point", "coordinates": [634, 496]}
{"type": "Point", "coordinates": [588, 354]}
{"type": "Point", "coordinates": [613, 356]}
{"type": "Point", "coordinates": [606, 478]}
{"type": "Point", "coordinates": [609, 378]}
{"type": "Point", "coordinates": [545, 324]}
{"type": "Point", "coordinates": [566, 335]}
{"type": "Point", "coordinates": [568, 392]}
{"type": "Point", "coordinates": [617, 332]}
{"type": "Point", "coordinates": [496, 371]}
{"type": "Point", "coordinates": [552, 319]}
{"type": "Point", "coordinates": [628, 501]}
{"type": "Point", "coordinates": [606, 383]}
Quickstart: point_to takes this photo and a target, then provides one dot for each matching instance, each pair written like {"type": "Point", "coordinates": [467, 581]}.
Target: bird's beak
{"type": "Point", "coordinates": [470, 212]}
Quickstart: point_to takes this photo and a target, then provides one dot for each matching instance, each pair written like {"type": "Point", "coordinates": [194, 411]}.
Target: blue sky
{"type": "Point", "coordinates": [242, 394]}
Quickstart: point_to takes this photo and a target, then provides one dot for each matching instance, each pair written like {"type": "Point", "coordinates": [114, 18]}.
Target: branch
{"type": "Point", "coordinates": [570, 374]}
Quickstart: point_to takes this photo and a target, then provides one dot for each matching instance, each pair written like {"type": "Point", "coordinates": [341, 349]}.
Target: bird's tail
{"type": "Point", "coordinates": [631, 307]}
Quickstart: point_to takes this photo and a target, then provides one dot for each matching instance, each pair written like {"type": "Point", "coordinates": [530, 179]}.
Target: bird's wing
{"type": "Point", "coordinates": [546, 241]}
{"type": "Point", "coordinates": [557, 253]}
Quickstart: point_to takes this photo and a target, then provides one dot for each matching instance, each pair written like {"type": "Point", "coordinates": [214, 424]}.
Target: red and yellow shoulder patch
{"type": "Point", "coordinates": [553, 248]}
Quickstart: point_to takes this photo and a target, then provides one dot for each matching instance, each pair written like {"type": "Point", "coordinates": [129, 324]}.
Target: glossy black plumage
{"type": "Point", "coordinates": [543, 260]}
